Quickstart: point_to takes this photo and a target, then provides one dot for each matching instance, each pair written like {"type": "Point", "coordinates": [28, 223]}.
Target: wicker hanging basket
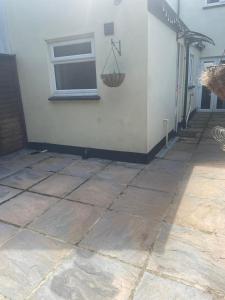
{"type": "Point", "coordinates": [214, 79]}
{"type": "Point", "coordinates": [116, 78]}
{"type": "Point", "coordinates": [113, 79]}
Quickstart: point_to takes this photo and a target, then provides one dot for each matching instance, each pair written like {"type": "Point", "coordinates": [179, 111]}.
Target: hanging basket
{"type": "Point", "coordinates": [214, 79]}
{"type": "Point", "coordinates": [116, 78]}
{"type": "Point", "coordinates": [113, 79]}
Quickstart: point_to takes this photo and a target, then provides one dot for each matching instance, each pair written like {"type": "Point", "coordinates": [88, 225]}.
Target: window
{"type": "Point", "coordinates": [73, 68]}
{"type": "Point", "coordinates": [214, 2]}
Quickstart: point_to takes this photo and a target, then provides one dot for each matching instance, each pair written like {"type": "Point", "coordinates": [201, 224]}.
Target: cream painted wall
{"type": "Point", "coordinates": [118, 121]}
{"type": "Point", "coordinates": [162, 48]}
{"type": "Point", "coordinates": [4, 37]}
{"type": "Point", "coordinates": [209, 21]}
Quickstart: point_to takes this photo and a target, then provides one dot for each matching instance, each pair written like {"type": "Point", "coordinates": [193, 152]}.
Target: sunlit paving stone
{"type": "Point", "coordinates": [152, 205]}
{"type": "Point", "coordinates": [122, 236]}
{"type": "Point", "coordinates": [67, 220]}
{"type": "Point", "coordinates": [207, 215]}
{"type": "Point", "coordinates": [190, 255]}
{"type": "Point", "coordinates": [25, 178]}
{"type": "Point", "coordinates": [86, 275]}
{"type": "Point", "coordinates": [7, 193]}
{"type": "Point", "coordinates": [25, 260]}
{"type": "Point", "coordinates": [200, 187]}
{"type": "Point", "coordinates": [22, 209]}
{"type": "Point", "coordinates": [97, 192]}
{"type": "Point", "coordinates": [58, 185]}
{"type": "Point", "coordinates": [158, 288]}
{"type": "Point", "coordinates": [211, 172]}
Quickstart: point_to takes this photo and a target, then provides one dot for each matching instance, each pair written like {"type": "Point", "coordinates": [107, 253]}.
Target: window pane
{"type": "Point", "coordinates": [74, 49]}
{"type": "Point", "coordinates": [75, 76]}
{"type": "Point", "coordinates": [220, 104]}
{"type": "Point", "coordinates": [206, 98]}
{"type": "Point", "coordinates": [212, 1]}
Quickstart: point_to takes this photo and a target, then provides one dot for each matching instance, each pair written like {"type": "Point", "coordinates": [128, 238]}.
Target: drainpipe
{"type": "Point", "coordinates": [177, 72]}
{"type": "Point", "coordinates": [166, 126]}
{"type": "Point", "coordinates": [186, 84]}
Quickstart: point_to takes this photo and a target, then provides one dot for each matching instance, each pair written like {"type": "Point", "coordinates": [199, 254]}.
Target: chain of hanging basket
{"type": "Point", "coordinates": [116, 78]}
{"type": "Point", "coordinates": [214, 78]}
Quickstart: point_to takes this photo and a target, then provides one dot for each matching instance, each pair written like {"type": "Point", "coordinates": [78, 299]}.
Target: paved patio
{"type": "Point", "coordinates": [101, 230]}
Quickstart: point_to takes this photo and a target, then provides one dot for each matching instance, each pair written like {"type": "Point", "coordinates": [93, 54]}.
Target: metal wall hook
{"type": "Point", "coordinates": [117, 46]}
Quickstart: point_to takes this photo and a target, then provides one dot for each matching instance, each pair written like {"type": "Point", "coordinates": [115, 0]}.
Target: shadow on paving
{"type": "Point", "coordinates": [91, 227]}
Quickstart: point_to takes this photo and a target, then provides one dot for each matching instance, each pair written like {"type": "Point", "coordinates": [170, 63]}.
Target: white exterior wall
{"type": "Point", "coordinates": [162, 49]}
{"type": "Point", "coordinates": [173, 4]}
{"type": "Point", "coordinates": [209, 21]}
{"type": "Point", "coordinates": [4, 37]}
{"type": "Point", "coordinates": [116, 122]}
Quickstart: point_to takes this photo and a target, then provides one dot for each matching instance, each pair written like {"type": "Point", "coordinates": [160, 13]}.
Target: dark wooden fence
{"type": "Point", "coordinates": [12, 125]}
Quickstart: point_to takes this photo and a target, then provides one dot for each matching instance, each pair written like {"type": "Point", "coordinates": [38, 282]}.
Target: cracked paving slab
{"type": "Point", "coordinates": [25, 260]}
{"type": "Point", "coordinates": [84, 275]}
{"type": "Point", "coordinates": [191, 255]}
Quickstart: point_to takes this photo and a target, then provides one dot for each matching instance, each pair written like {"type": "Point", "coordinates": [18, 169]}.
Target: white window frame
{"type": "Point", "coordinates": [70, 59]}
{"type": "Point", "coordinates": [218, 3]}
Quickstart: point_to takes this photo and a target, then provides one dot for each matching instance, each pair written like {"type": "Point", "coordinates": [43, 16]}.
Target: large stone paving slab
{"type": "Point", "coordinates": [214, 148]}
{"type": "Point", "coordinates": [210, 172]}
{"type": "Point", "coordinates": [179, 146]}
{"type": "Point", "coordinates": [157, 288]}
{"type": "Point", "coordinates": [209, 157]}
{"type": "Point", "coordinates": [7, 169]}
{"type": "Point", "coordinates": [53, 164]}
{"type": "Point", "coordinates": [22, 209]}
{"type": "Point", "coordinates": [142, 202]}
{"type": "Point", "coordinates": [156, 180]}
{"type": "Point", "coordinates": [58, 185]}
{"type": "Point", "coordinates": [97, 192]}
{"type": "Point", "coordinates": [7, 193]}
{"type": "Point", "coordinates": [200, 187]}
{"type": "Point", "coordinates": [190, 255]}
{"type": "Point", "coordinates": [178, 155]}
{"type": "Point", "coordinates": [6, 232]}
{"type": "Point", "coordinates": [68, 220]}
{"type": "Point", "coordinates": [85, 275]}
{"type": "Point", "coordinates": [24, 262]}
{"type": "Point", "coordinates": [118, 173]}
{"type": "Point", "coordinates": [84, 168]}
{"type": "Point", "coordinates": [25, 178]}
{"type": "Point", "coordinates": [207, 215]}
{"type": "Point", "coordinates": [129, 165]}
{"type": "Point", "coordinates": [172, 168]}
{"type": "Point", "coordinates": [122, 236]}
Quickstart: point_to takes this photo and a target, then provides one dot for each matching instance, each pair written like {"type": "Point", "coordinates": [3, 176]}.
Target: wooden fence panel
{"type": "Point", "coordinates": [12, 124]}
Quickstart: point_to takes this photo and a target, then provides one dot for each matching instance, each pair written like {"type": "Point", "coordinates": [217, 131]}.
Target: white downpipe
{"type": "Point", "coordinates": [166, 126]}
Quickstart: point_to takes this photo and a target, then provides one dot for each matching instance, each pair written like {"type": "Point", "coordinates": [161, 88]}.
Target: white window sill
{"type": "Point", "coordinates": [213, 5]}
{"type": "Point", "coordinates": [74, 97]}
